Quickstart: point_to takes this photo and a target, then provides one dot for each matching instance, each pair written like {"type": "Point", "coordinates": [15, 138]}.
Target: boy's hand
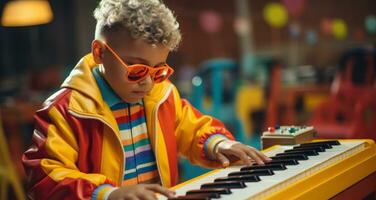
{"type": "Point", "coordinates": [229, 150]}
{"type": "Point", "coordinates": [140, 192]}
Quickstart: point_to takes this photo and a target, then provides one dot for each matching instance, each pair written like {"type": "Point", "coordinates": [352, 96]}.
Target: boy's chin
{"type": "Point", "coordinates": [133, 99]}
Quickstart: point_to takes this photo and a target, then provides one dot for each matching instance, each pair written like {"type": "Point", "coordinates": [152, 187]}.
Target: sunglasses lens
{"type": "Point", "coordinates": [161, 75]}
{"type": "Point", "coordinates": [136, 73]}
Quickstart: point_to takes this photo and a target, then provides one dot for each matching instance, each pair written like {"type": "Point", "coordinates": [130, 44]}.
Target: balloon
{"type": "Point", "coordinates": [295, 7]}
{"type": "Point", "coordinates": [339, 29]}
{"type": "Point", "coordinates": [326, 26]}
{"type": "Point", "coordinates": [370, 24]}
{"type": "Point", "coordinates": [275, 15]}
{"type": "Point", "coordinates": [210, 21]}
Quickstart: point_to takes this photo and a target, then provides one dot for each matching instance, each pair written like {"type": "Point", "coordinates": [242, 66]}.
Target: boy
{"type": "Point", "coordinates": [116, 126]}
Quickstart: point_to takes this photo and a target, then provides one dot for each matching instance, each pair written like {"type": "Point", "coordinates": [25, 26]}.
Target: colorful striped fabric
{"type": "Point", "coordinates": [211, 143]}
{"type": "Point", "coordinates": [140, 163]}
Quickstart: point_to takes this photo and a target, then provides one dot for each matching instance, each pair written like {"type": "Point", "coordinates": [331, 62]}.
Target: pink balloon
{"type": "Point", "coordinates": [210, 21]}
{"type": "Point", "coordinates": [295, 7]}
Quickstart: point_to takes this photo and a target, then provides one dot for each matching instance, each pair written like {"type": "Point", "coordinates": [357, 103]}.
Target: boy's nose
{"type": "Point", "coordinates": [146, 81]}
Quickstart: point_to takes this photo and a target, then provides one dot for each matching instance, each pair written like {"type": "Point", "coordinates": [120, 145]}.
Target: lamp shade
{"type": "Point", "coordinates": [26, 13]}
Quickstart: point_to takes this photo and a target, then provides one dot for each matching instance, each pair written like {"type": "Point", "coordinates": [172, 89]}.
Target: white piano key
{"type": "Point", "coordinates": [280, 179]}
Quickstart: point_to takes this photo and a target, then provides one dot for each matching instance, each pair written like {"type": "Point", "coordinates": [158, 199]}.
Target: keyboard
{"type": "Point", "coordinates": [317, 170]}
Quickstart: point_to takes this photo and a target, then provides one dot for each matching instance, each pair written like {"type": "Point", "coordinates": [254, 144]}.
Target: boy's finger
{"type": "Point", "coordinates": [255, 157]}
{"type": "Point", "coordinates": [262, 156]}
{"type": "Point", "coordinates": [223, 159]}
{"type": "Point", "coordinates": [162, 190]}
{"type": "Point", "coordinates": [146, 195]}
{"type": "Point", "coordinates": [243, 155]}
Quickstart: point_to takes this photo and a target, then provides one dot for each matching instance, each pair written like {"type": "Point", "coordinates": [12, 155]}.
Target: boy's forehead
{"type": "Point", "coordinates": [122, 39]}
{"type": "Point", "coordinates": [137, 49]}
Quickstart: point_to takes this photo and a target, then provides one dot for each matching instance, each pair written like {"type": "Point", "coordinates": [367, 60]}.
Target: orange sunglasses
{"type": "Point", "coordinates": [138, 72]}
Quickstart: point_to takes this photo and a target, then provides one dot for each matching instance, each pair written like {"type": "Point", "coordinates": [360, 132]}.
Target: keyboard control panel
{"type": "Point", "coordinates": [287, 135]}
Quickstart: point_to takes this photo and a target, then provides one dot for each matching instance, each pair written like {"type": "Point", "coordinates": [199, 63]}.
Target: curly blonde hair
{"type": "Point", "coordinates": [149, 20]}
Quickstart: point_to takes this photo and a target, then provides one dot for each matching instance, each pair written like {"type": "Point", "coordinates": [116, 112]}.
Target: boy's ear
{"type": "Point", "coordinates": [97, 51]}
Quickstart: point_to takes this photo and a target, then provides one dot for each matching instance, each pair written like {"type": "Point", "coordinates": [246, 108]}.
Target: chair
{"type": "Point", "coordinates": [349, 113]}
{"type": "Point", "coordinates": [218, 83]}
{"type": "Point", "coordinates": [249, 99]}
{"type": "Point", "coordinates": [8, 175]}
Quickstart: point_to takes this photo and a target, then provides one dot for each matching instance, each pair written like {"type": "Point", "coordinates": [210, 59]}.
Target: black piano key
{"type": "Point", "coordinates": [304, 152]}
{"type": "Point", "coordinates": [326, 146]}
{"type": "Point", "coordinates": [270, 166]}
{"type": "Point", "coordinates": [257, 172]}
{"type": "Point", "coordinates": [204, 195]}
{"type": "Point", "coordinates": [316, 148]}
{"type": "Point", "coordinates": [245, 178]}
{"type": "Point", "coordinates": [192, 197]}
{"type": "Point", "coordinates": [224, 184]}
{"type": "Point", "coordinates": [330, 142]}
{"type": "Point", "coordinates": [210, 190]}
{"type": "Point", "coordinates": [291, 156]}
{"type": "Point", "coordinates": [283, 162]}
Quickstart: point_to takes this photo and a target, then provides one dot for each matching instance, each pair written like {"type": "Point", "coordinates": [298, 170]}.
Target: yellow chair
{"type": "Point", "coordinates": [249, 99]}
{"type": "Point", "coordinates": [8, 175]}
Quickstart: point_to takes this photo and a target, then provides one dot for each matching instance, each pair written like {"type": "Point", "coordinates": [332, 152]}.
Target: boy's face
{"type": "Point", "coordinates": [131, 52]}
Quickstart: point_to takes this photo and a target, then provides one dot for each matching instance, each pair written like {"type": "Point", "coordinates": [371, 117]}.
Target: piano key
{"type": "Point", "coordinates": [225, 184]}
{"type": "Point", "coordinates": [191, 197]}
{"type": "Point", "coordinates": [257, 172]}
{"type": "Point", "coordinates": [330, 142]}
{"type": "Point", "coordinates": [245, 178]}
{"type": "Point", "coordinates": [291, 156]}
{"type": "Point", "coordinates": [304, 152]}
{"type": "Point", "coordinates": [270, 166]}
{"type": "Point", "coordinates": [211, 190]}
{"type": "Point", "coordinates": [283, 162]}
{"type": "Point", "coordinates": [203, 195]}
{"type": "Point", "coordinates": [326, 146]}
{"type": "Point", "coordinates": [316, 148]}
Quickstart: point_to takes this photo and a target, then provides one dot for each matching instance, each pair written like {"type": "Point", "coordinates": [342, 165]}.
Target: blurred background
{"type": "Point", "coordinates": [251, 63]}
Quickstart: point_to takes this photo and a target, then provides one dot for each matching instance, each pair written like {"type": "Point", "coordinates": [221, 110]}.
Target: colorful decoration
{"type": "Point", "coordinates": [210, 21]}
{"type": "Point", "coordinates": [370, 24]}
{"type": "Point", "coordinates": [294, 30]}
{"type": "Point", "coordinates": [241, 26]}
{"type": "Point", "coordinates": [311, 37]}
{"type": "Point", "coordinates": [326, 26]}
{"type": "Point", "coordinates": [294, 7]}
{"type": "Point", "coordinates": [275, 15]}
{"type": "Point", "coordinates": [339, 29]}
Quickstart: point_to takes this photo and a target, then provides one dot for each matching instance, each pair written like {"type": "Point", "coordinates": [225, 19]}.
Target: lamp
{"type": "Point", "coordinates": [26, 13]}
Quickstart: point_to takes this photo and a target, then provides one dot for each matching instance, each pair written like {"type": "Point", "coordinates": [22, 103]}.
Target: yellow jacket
{"type": "Point", "coordinates": [76, 141]}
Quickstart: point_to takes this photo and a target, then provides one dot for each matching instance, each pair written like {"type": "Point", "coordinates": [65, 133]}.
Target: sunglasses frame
{"type": "Point", "coordinates": [152, 71]}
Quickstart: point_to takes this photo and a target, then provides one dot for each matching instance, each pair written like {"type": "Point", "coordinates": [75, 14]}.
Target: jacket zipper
{"type": "Point", "coordinates": [104, 122]}
{"type": "Point", "coordinates": [154, 125]}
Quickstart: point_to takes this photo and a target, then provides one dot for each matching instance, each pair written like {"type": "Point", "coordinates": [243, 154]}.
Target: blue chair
{"type": "Point", "coordinates": [218, 80]}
